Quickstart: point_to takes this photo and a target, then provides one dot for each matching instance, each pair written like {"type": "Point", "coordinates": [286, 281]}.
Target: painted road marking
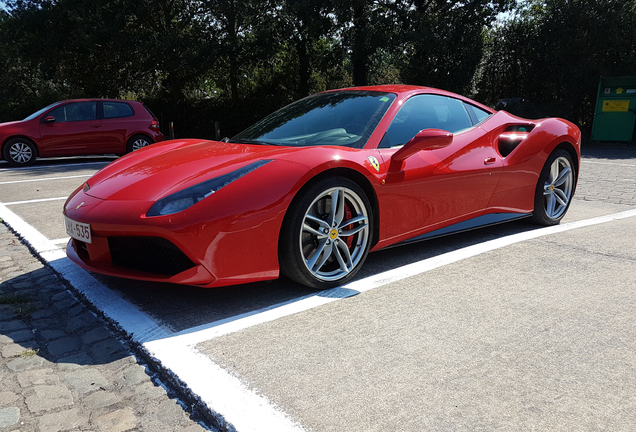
{"type": "Point", "coordinates": [230, 400]}
{"type": "Point", "coordinates": [79, 164]}
{"type": "Point", "coordinates": [35, 201]}
{"type": "Point", "coordinates": [45, 179]}
{"type": "Point", "coordinates": [607, 163]}
{"type": "Point", "coordinates": [60, 240]}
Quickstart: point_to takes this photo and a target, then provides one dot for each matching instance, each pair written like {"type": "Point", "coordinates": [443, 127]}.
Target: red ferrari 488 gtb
{"type": "Point", "coordinates": [309, 190]}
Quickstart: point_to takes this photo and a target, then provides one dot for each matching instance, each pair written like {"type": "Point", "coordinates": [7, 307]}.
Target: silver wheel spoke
{"type": "Point", "coordinates": [550, 204]}
{"type": "Point", "coordinates": [314, 231]}
{"type": "Point", "coordinates": [345, 262]}
{"type": "Point", "coordinates": [563, 177]}
{"type": "Point", "coordinates": [340, 211]}
{"type": "Point", "coordinates": [560, 197]}
{"type": "Point", "coordinates": [347, 233]}
{"type": "Point", "coordinates": [322, 223]}
{"type": "Point", "coordinates": [311, 263]}
{"type": "Point", "coordinates": [354, 220]}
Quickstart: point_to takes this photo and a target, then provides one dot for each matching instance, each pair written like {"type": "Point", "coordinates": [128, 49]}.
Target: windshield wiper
{"type": "Point", "coordinates": [245, 141]}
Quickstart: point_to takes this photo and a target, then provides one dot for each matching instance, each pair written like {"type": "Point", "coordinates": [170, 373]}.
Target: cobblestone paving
{"type": "Point", "coordinates": [608, 173]}
{"type": "Point", "coordinates": [61, 369]}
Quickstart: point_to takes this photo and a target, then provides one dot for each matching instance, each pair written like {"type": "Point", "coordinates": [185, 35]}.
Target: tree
{"type": "Point", "coordinates": [553, 52]}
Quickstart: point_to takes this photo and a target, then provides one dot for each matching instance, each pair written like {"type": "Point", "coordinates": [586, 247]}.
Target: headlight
{"type": "Point", "coordinates": [181, 200]}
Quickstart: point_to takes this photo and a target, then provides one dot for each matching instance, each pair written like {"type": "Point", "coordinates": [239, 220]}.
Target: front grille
{"type": "Point", "coordinates": [148, 254]}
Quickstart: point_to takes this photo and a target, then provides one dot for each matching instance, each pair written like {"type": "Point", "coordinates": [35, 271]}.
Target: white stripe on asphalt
{"type": "Point", "coordinates": [60, 240]}
{"type": "Point", "coordinates": [45, 179]}
{"type": "Point", "coordinates": [229, 398]}
{"type": "Point", "coordinates": [29, 168]}
{"type": "Point", "coordinates": [35, 201]}
{"type": "Point", "coordinates": [607, 163]}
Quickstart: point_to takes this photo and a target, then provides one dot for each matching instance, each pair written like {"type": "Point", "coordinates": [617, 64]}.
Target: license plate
{"type": "Point", "coordinates": [77, 230]}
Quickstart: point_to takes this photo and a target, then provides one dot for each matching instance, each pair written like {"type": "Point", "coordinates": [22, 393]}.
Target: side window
{"type": "Point", "coordinates": [117, 110]}
{"type": "Point", "coordinates": [75, 111]}
{"type": "Point", "coordinates": [426, 112]}
{"type": "Point", "coordinates": [478, 114]}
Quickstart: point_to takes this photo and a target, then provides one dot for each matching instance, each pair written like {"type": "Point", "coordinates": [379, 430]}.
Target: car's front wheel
{"type": "Point", "coordinates": [555, 189]}
{"type": "Point", "coordinates": [326, 234]}
{"type": "Point", "coordinates": [20, 152]}
{"type": "Point", "coordinates": [137, 142]}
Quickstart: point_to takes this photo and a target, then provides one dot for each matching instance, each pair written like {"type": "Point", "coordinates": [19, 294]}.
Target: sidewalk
{"type": "Point", "coordinates": [62, 369]}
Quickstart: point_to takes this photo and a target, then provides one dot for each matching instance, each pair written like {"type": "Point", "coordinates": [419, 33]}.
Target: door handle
{"type": "Point", "coordinates": [96, 126]}
{"type": "Point", "coordinates": [489, 161]}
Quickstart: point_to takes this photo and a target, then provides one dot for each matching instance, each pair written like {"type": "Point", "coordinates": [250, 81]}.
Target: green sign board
{"type": "Point", "coordinates": [615, 113]}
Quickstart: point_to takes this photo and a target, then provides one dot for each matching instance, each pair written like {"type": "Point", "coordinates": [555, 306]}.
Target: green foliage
{"type": "Point", "coordinates": [553, 53]}
{"type": "Point", "coordinates": [195, 62]}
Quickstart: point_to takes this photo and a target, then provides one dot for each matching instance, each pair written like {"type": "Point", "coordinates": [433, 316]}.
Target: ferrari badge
{"type": "Point", "coordinates": [375, 163]}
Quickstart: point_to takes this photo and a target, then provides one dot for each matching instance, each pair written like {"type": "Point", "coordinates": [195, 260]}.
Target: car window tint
{"type": "Point", "coordinates": [76, 111]}
{"type": "Point", "coordinates": [477, 113]}
{"type": "Point", "coordinates": [426, 112]}
{"type": "Point", "coordinates": [117, 110]}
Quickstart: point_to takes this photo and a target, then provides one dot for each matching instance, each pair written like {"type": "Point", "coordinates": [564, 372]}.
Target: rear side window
{"type": "Point", "coordinates": [75, 111]}
{"type": "Point", "coordinates": [117, 110]}
{"type": "Point", "coordinates": [478, 114]}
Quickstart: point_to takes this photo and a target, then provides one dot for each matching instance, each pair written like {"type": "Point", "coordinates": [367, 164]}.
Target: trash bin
{"type": "Point", "coordinates": [615, 112]}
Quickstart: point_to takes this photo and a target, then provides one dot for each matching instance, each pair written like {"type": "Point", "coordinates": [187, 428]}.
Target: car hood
{"type": "Point", "coordinates": [11, 123]}
{"type": "Point", "coordinates": [161, 169]}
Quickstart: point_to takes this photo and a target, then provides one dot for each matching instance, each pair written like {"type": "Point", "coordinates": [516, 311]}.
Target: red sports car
{"type": "Point", "coordinates": [79, 127]}
{"type": "Point", "coordinates": [309, 190]}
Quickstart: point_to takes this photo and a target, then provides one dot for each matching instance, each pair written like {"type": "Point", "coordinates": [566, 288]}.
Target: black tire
{"type": "Point", "coordinates": [555, 189]}
{"type": "Point", "coordinates": [313, 250]}
{"type": "Point", "coordinates": [19, 152]}
{"type": "Point", "coordinates": [136, 142]}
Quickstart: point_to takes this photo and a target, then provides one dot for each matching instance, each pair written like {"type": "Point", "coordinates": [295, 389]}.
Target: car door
{"type": "Point", "coordinates": [118, 123]}
{"type": "Point", "coordinates": [435, 188]}
{"type": "Point", "coordinates": [73, 128]}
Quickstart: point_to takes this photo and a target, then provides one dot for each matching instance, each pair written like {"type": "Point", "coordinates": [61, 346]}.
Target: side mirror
{"type": "Point", "coordinates": [49, 119]}
{"type": "Point", "coordinates": [427, 139]}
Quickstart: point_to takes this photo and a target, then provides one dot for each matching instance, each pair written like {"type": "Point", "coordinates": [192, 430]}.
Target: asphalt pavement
{"type": "Point", "coordinates": [534, 336]}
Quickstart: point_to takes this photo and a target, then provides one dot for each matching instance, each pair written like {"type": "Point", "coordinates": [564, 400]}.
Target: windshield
{"type": "Point", "coordinates": [37, 113]}
{"type": "Point", "coordinates": [341, 118]}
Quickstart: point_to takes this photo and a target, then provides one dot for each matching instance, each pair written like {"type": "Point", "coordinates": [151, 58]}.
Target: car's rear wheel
{"type": "Point", "coordinates": [136, 142]}
{"type": "Point", "coordinates": [20, 152]}
{"type": "Point", "coordinates": [555, 189]}
{"type": "Point", "coordinates": [326, 234]}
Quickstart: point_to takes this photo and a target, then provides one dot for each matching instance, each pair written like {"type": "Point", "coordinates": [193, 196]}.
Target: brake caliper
{"type": "Point", "coordinates": [348, 216]}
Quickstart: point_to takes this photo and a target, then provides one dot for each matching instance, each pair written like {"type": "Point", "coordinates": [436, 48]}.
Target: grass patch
{"type": "Point", "coordinates": [29, 352]}
{"type": "Point", "coordinates": [14, 299]}
{"type": "Point", "coordinates": [22, 304]}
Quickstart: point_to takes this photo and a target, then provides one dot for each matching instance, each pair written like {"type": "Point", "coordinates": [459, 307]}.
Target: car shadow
{"type": "Point", "coordinates": [183, 307]}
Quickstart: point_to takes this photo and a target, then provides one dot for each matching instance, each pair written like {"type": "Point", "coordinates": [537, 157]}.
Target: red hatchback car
{"type": "Point", "coordinates": [79, 127]}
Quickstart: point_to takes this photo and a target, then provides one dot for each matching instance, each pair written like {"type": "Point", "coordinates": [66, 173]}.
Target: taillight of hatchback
{"type": "Point", "coordinates": [154, 124]}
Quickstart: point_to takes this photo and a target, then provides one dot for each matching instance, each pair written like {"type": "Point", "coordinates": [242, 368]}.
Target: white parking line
{"type": "Point", "coordinates": [607, 163]}
{"type": "Point", "coordinates": [225, 395]}
{"type": "Point", "coordinates": [29, 168]}
{"type": "Point", "coordinates": [35, 201]}
{"type": "Point", "coordinates": [60, 240]}
{"type": "Point", "coordinates": [45, 179]}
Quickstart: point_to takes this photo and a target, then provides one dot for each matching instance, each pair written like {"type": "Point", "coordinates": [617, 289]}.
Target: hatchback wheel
{"type": "Point", "coordinates": [137, 142]}
{"type": "Point", "coordinates": [20, 152]}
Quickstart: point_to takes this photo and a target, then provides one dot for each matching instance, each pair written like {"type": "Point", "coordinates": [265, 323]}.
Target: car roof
{"type": "Point", "coordinates": [405, 90]}
{"type": "Point", "coordinates": [99, 100]}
